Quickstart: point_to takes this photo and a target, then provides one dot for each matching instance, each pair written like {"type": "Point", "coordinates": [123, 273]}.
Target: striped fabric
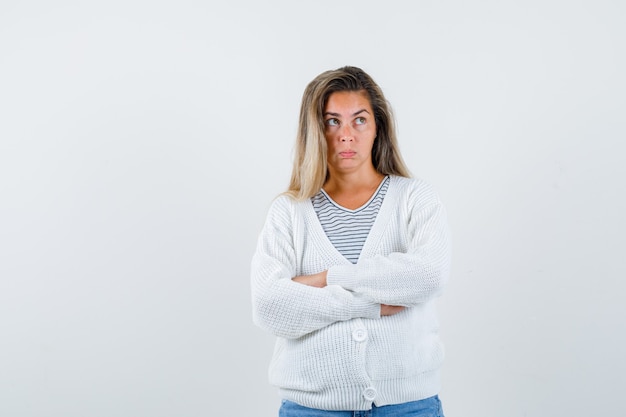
{"type": "Point", "coordinates": [347, 229]}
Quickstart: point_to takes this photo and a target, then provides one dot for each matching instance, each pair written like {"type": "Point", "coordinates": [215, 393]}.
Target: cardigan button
{"type": "Point", "coordinates": [369, 394]}
{"type": "Point", "coordinates": [360, 335]}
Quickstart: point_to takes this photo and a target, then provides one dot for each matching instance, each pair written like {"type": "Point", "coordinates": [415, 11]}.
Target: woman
{"type": "Point", "coordinates": [349, 263]}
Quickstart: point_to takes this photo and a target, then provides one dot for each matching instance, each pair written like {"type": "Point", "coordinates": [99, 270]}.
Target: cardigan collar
{"type": "Point", "coordinates": [374, 236]}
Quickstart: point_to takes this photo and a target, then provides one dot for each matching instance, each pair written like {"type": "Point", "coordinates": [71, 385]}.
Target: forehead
{"type": "Point", "coordinates": [348, 101]}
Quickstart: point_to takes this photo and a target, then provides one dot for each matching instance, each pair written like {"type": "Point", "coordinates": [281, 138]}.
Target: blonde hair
{"type": "Point", "coordinates": [310, 169]}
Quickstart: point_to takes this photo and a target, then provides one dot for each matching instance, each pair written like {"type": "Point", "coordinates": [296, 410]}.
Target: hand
{"type": "Point", "coordinates": [386, 310]}
{"type": "Point", "coordinates": [316, 280]}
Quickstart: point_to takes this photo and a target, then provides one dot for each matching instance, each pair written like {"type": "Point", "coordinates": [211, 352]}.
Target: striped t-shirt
{"type": "Point", "coordinates": [347, 229]}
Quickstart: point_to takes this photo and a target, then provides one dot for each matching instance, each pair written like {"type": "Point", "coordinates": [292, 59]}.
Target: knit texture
{"type": "Point", "coordinates": [334, 351]}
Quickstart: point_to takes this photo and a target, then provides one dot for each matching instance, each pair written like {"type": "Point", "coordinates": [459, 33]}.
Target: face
{"type": "Point", "coordinates": [350, 130]}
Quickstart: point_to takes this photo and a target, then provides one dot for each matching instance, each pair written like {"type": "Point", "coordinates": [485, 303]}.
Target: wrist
{"type": "Point", "coordinates": [323, 279]}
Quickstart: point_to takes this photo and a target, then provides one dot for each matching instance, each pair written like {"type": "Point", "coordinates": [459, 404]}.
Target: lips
{"type": "Point", "coordinates": [347, 154]}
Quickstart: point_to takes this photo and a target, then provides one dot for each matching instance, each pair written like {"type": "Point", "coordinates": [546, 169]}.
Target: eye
{"type": "Point", "coordinates": [332, 122]}
{"type": "Point", "coordinates": [360, 120]}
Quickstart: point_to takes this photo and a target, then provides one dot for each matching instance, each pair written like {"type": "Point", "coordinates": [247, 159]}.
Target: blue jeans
{"type": "Point", "coordinates": [429, 407]}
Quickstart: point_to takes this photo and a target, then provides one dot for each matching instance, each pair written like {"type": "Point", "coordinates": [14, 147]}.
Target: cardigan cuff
{"type": "Point", "coordinates": [364, 308]}
{"type": "Point", "coordinates": [343, 275]}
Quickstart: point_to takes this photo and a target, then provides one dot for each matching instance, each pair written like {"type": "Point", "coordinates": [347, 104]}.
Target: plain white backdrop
{"type": "Point", "coordinates": [141, 143]}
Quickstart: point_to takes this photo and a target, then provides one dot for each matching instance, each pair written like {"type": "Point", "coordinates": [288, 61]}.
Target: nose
{"type": "Point", "coordinates": [346, 134]}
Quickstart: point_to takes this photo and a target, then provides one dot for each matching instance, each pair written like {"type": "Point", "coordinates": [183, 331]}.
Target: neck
{"type": "Point", "coordinates": [351, 182]}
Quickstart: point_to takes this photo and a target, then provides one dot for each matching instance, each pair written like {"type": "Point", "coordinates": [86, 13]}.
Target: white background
{"type": "Point", "coordinates": [141, 143]}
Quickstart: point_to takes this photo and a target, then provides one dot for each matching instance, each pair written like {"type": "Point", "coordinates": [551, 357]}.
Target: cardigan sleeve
{"type": "Point", "coordinates": [284, 307]}
{"type": "Point", "coordinates": [408, 277]}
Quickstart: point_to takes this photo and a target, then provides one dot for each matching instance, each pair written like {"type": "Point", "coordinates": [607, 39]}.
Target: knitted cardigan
{"type": "Point", "coordinates": [334, 351]}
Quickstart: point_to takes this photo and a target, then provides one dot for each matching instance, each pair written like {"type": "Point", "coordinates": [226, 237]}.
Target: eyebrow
{"type": "Point", "coordinates": [353, 114]}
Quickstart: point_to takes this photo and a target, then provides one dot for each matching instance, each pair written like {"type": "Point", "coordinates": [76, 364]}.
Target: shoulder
{"type": "Point", "coordinates": [287, 202]}
{"type": "Point", "coordinates": [415, 189]}
{"type": "Point", "coordinates": [283, 207]}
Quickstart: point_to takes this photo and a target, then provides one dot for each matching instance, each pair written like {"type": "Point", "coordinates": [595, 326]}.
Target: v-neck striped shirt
{"type": "Point", "coordinates": [347, 229]}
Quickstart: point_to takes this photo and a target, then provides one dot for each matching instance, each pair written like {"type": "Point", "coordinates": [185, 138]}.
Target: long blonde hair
{"type": "Point", "coordinates": [310, 169]}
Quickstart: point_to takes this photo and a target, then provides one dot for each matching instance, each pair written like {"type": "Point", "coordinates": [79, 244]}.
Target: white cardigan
{"type": "Point", "coordinates": [334, 351]}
